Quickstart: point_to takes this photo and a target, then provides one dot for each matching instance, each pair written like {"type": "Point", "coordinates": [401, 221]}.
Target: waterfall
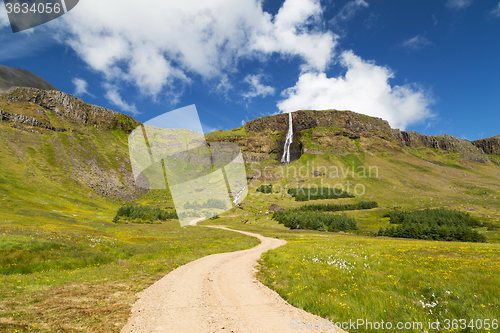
{"type": "Point", "coordinates": [289, 138]}
{"type": "Point", "coordinates": [238, 196]}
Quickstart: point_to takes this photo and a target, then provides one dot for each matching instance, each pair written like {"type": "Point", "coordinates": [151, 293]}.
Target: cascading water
{"type": "Point", "coordinates": [289, 138]}
{"type": "Point", "coordinates": [238, 196]}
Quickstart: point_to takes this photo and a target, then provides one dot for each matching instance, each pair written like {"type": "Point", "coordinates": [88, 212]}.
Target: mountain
{"type": "Point", "coordinates": [12, 77]}
{"type": "Point", "coordinates": [334, 131]}
{"type": "Point", "coordinates": [55, 147]}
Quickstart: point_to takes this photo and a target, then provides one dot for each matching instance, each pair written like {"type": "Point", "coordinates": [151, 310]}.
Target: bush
{"type": "Point", "coordinates": [340, 207]}
{"type": "Point", "coordinates": [440, 216]}
{"type": "Point", "coordinates": [305, 194]}
{"type": "Point", "coordinates": [210, 203]}
{"type": "Point", "coordinates": [315, 221]}
{"type": "Point", "coordinates": [144, 213]}
{"type": "Point", "coordinates": [434, 224]}
{"type": "Point", "coordinates": [265, 189]}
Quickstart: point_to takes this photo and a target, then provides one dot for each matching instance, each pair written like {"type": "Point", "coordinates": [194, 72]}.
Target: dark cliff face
{"type": "Point", "coordinates": [351, 124]}
{"type": "Point", "coordinates": [465, 148]}
{"type": "Point", "coordinates": [71, 108]}
{"type": "Point", "coordinates": [489, 145]}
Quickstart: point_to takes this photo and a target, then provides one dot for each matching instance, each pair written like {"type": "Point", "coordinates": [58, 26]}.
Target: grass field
{"type": "Point", "coordinates": [342, 278]}
{"type": "Point", "coordinates": [82, 278]}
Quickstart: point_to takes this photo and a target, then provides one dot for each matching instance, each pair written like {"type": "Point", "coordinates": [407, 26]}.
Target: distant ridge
{"type": "Point", "coordinates": [10, 77]}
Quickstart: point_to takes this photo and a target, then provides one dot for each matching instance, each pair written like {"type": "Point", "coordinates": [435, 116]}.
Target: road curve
{"type": "Point", "coordinates": [218, 293]}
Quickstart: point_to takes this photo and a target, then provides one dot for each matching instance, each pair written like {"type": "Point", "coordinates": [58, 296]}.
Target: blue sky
{"type": "Point", "coordinates": [428, 66]}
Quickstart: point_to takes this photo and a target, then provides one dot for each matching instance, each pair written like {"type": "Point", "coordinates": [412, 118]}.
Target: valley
{"type": "Point", "coordinates": [67, 267]}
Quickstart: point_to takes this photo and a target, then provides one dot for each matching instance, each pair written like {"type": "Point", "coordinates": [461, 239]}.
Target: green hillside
{"type": "Point", "coordinates": [375, 167]}
{"type": "Point", "coordinates": [65, 266]}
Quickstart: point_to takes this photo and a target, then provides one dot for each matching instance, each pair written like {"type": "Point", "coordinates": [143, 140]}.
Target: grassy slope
{"type": "Point", "coordinates": [64, 266]}
{"type": "Point", "coordinates": [413, 179]}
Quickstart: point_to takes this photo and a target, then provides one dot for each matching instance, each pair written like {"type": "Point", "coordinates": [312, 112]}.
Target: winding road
{"type": "Point", "coordinates": [219, 293]}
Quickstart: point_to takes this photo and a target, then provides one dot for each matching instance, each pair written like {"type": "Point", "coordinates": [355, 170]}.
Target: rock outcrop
{"type": "Point", "coordinates": [71, 108]}
{"type": "Point", "coordinates": [489, 145]}
{"type": "Point", "coordinates": [307, 119]}
{"type": "Point", "coordinates": [465, 148]}
{"type": "Point", "coordinates": [25, 120]}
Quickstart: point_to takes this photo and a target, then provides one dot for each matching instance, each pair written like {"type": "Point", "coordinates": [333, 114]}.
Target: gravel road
{"type": "Point", "coordinates": [218, 293]}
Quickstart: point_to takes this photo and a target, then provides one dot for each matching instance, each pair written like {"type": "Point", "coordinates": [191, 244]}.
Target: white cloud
{"type": "Point", "coordinates": [256, 88]}
{"type": "Point", "coordinates": [4, 19]}
{"type": "Point", "coordinates": [224, 86]}
{"type": "Point", "coordinates": [496, 12]}
{"type": "Point", "coordinates": [114, 97]}
{"type": "Point", "coordinates": [348, 11]}
{"type": "Point", "coordinates": [418, 42]}
{"type": "Point", "coordinates": [288, 34]}
{"type": "Point", "coordinates": [364, 88]}
{"type": "Point", "coordinates": [80, 87]}
{"type": "Point", "coordinates": [458, 4]}
{"type": "Point", "coordinates": [162, 46]}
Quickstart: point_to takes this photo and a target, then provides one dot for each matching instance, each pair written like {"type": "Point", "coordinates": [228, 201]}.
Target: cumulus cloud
{"type": "Point", "coordinates": [288, 34]}
{"type": "Point", "coordinates": [458, 4]}
{"type": "Point", "coordinates": [348, 11]}
{"type": "Point", "coordinates": [4, 19]}
{"type": "Point", "coordinates": [496, 12]}
{"type": "Point", "coordinates": [80, 87]}
{"type": "Point", "coordinates": [115, 98]}
{"type": "Point", "coordinates": [416, 43]}
{"type": "Point", "coordinates": [164, 45]}
{"type": "Point", "coordinates": [257, 88]}
{"type": "Point", "coordinates": [364, 88]}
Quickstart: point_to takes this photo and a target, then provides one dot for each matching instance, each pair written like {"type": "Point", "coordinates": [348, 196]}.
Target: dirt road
{"type": "Point", "coordinates": [218, 293]}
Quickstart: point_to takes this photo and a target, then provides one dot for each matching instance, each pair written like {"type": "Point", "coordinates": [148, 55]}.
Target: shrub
{"type": "Point", "coordinates": [305, 194]}
{"type": "Point", "coordinates": [339, 207]}
{"type": "Point", "coordinates": [434, 224]}
{"type": "Point", "coordinates": [210, 203]}
{"type": "Point", "coordinates": [315, 221]}
{"type": "Point", "coordinates": [265, 189]}
{"type": "Point", "coordinates": [144, 213]}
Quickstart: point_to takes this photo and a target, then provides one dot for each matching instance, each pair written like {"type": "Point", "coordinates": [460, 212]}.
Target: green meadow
{"type": "Point", "coordinates": [343, 277]}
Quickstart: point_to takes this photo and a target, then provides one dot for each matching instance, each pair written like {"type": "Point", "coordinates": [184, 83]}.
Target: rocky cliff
{"type": "Point", "coordinates": [265, 136]}
{"type": "Point", "coordinates": [465, 148]}
{"type": "Point", "coordinates": [489, 145]}
{"type": "Point", "coordinates": [69, 108]}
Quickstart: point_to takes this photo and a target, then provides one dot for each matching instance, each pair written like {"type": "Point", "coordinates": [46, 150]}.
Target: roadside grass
{"type": "Point", "coordinates": [63, 278]}
{"type": "Point", "coordinates": [342, 277]}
